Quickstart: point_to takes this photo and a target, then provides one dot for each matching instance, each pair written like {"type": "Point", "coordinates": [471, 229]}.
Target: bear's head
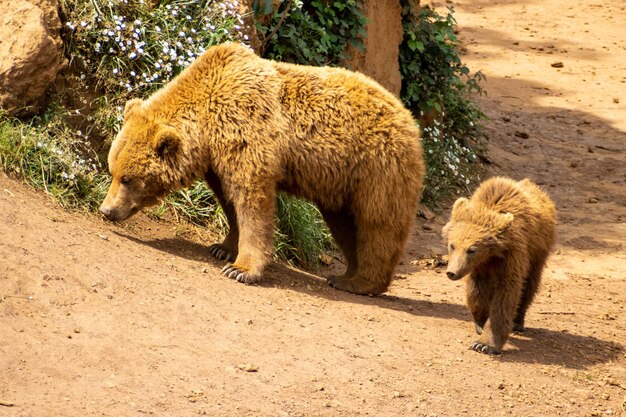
{"type": "Point", "coordinates": [475, 234]}
{"type": "Point", "coordinates": [140, 162]}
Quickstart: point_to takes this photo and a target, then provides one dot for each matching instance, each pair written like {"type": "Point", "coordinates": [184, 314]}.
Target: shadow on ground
{"type": "Point", "coordinates": [534, 346]}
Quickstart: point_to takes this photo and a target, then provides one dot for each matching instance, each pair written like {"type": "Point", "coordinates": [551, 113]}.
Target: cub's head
{"type": "Point", "coordinates": [474, 235]}
{"type": "Point", "coordinates": [140, 162]}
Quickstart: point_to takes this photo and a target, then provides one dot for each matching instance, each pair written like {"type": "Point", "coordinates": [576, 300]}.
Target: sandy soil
{"type": "Point", "coordinates": [105, 320]}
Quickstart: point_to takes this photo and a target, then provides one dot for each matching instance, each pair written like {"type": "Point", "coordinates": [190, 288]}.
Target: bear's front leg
{"type": "Point", "coordinates": [500, 322]}
{"type": "Point", "coordinates": [228, 248]}
{"type": "Point", "coordinates": [477, 294]}
{"type": "Point", "coordinates": [255, 220]}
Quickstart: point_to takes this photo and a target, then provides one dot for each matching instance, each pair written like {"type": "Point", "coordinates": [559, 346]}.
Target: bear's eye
{"type": "Point", "coordinates": [125, 180]}
{"type": "Point", "coordinates": [472, 250]}
{"type": "Point", "coordinates": [451, 247]}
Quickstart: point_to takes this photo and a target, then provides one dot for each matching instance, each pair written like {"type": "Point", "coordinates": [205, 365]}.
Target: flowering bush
{"type": "Point", "coordinates": [435, 86]}
{"type": "Point", "coordinates": [451, 166]}
{"type": "Point", "coordinates": [132, 47]}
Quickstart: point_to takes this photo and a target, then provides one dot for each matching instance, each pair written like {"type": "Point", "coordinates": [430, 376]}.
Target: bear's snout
{"type": "Point", "coordinates": [106, 211]}
{"type": "Point", "coordinates": [451, 275]}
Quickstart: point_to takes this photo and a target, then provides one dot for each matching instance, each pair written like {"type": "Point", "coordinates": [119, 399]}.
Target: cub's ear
{"type": "Point", "coordinates": [167, 143]}
{"type": "Point", "coordinates": [505, 220]}
{"type": "Point", "coordinates": [132, 104]}
{"type": "Point", "coordinates": [460, 203]}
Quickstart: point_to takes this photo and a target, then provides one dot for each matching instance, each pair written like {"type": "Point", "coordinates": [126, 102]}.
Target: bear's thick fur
{"type": "Point", "coordinates": [501, 238]}
{"type": "Point", "coordinates": [250, 127]}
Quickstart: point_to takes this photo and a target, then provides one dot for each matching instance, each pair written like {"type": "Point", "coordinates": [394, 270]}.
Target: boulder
{"type": "Point", "coordinates": [31, 53]}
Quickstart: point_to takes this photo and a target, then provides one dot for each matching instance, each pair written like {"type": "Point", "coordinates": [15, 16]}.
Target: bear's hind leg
{"type": "Point", "coordinates": [226, 250]}
{"type": "Point", "coordinates": [531, 286]}
{"type": "Point", "coordinates": [343, 229]}
{"type": "Point", "coordinates": [378, 250]}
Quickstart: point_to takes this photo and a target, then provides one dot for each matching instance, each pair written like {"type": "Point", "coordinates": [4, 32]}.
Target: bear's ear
{"type": "Point", "coordinates": [166, 143]}
{"type": "Point", "coordinates": [505, 220]}
{"type": "Point", "coordinates": [130, 104]}
{"type": "Point", "coordinates": [459, 204]}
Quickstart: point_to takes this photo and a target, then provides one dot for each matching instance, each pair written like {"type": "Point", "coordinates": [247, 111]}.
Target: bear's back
{"type": "Point", "coordinates": [533, 211]}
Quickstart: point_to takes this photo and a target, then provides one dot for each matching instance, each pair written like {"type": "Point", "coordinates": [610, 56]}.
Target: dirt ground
{"type": "Point", "coordinates": [107, 320]}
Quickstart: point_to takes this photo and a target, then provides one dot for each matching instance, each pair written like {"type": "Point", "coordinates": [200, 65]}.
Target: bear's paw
{"type": "Point", "coordinates": [236, 273]}
{"type": "Point", "coordinates": [221, 252]}
{"type": "Point", "coordinates": [483, 348]}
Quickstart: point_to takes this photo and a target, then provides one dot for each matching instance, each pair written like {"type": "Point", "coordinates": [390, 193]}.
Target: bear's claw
{"type": "Point", "coordinates": [221, 253]}
{"type": "Point", "coordinates": [233, 272]}
{"type": "Point", "coordinates": [483, 348]}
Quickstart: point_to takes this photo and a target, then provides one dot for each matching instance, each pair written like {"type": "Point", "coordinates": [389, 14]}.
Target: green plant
{"type": "Point", "coordinates": [301, 234]}
{"type": "Point", "coordinates": [49, 157]}
{"type": "Point", "coordinates": [317, 32]}
{"type": "Point", "coordinates": [436, 86]}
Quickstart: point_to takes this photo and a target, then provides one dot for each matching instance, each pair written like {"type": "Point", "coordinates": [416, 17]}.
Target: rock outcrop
{"type": "Point", "coordinates": [31, 53]}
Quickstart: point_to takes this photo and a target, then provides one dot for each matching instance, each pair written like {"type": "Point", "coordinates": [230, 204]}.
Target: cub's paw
{"type": "Point", "coordinates": [518, 328]}
{"type": "Point", "coordinates": [221, 252]}
{"type": "Point", "coordinates": [483, 348]}
{"type": "Point", "coordinates": [239, 274]}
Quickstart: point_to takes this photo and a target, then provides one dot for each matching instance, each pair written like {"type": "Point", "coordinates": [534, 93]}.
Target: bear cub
{"type": "Point", "coordinates": [500, 239]}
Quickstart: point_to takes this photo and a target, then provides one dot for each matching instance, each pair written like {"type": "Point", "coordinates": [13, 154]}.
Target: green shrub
{"type": "Point", "coordinates": [436, 87]}
{"type": "Point", "coordinates": [50, 157]}
{"type": "Point", "coordinates": [318, 32]}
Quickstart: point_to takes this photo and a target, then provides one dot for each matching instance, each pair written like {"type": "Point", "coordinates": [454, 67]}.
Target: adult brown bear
{"type": "Point", "coordinates": [250, 127]}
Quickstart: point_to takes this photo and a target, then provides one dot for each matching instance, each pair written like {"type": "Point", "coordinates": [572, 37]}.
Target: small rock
{"type": "Point", "coordinates": [427, 226]}
{"type": "Point", "coordinates": [522, 135]}
{"type": "Point", "coordinates": [205, 270]}
{"type": "Point", "coordinates": [248, 367]}
{"type": "Point", "coordinates": [590, 149]}
{"type": "Point", "coordinates": [558, 64]}
{"type": "Point", "coordinates": [501, 386]}
{"type": "Point", "coordinates": [103, 237]}
{"type": "Point", "coordinates": [615, 100]}
{"type": "Point", "coordinates": [593, 200]}
{"type": "Point", "coordinates": [426, 213]}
